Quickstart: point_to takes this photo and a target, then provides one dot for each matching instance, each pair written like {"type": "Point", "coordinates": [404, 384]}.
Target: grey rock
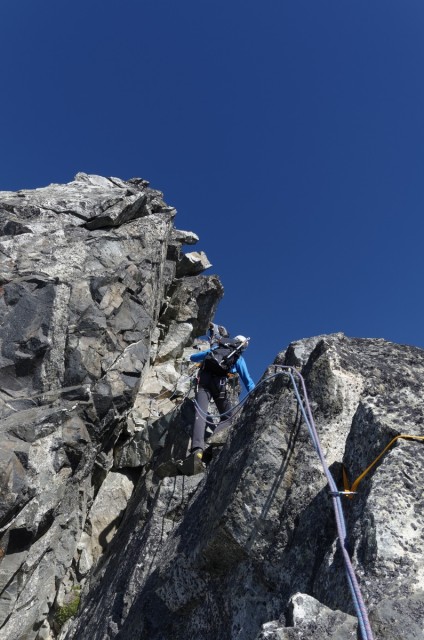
{"type": "Point", "coordinates": [193, 299]}
{"type": "Point", "coordinates": [86, 271]}
{"type": "Point", "coordinates": [259, 528]}
{"type": "Point", "coordinates": [220, 437]}
{"type": "Point", "coordinates": [185, 237]}
{"type": "Point", "coordinates": [103, 518]}
{"type": "Point", "coordinates": [97, 325]}
{"type": "Point", "coordinates": [308, 619]}
{"type": "Point", "coordinates": [192, 263]}
{"type": "Point", "coordinates": [399, 618]}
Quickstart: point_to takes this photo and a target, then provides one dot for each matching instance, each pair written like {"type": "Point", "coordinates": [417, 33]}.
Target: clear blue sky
{"type": "Point", "coordinates": [289, 135]}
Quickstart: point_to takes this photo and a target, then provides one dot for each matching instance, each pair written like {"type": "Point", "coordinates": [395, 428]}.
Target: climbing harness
{"type": "Point", "coordinates": [230, 413]}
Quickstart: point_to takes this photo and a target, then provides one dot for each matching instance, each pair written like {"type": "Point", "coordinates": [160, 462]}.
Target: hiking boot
{"type": "Point", "coordinates": [193, 464]}
{"type": "Point", "coordinates": [207, 455]}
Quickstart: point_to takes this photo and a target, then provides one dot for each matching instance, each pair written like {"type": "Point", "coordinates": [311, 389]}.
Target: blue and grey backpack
{"type": "Point", "coordinates": [222, 358]}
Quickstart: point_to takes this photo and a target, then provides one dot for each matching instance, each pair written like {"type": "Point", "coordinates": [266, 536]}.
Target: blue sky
{"type": "Point", "coordinates": [289, 135]}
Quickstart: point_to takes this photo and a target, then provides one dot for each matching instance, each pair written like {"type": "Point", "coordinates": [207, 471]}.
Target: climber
{"type": "Point", "coordinates": [223, 358]}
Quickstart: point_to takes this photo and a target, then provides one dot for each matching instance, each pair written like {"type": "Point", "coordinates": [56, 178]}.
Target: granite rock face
{"type": "Point", "coordinates": [250, 549]}
{"type": "Point", "coordinates": [100, 312]}
{"type": "Point", "coordinates": [89, 299]}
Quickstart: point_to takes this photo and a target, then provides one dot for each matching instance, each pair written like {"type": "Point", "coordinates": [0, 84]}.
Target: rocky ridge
{"type": "Point", "coordinates": [97, 301]}
{"type": "Point", "coordinates": [100, 310]}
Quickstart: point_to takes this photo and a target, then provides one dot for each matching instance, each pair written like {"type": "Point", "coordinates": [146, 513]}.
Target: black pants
{"type": "Point", "coordinates": [210, 387]}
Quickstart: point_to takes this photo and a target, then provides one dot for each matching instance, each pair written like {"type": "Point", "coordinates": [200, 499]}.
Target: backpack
{"type": "Point", "coordinates": [221, 360]}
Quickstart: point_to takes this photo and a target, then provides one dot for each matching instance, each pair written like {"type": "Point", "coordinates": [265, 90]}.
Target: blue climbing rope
{"type": "Point", "coordinates": [358, 602]}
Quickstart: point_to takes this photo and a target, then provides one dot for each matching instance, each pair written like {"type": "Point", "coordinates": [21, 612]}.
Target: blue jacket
{"type": "Point", "coordinates": [240, 367]}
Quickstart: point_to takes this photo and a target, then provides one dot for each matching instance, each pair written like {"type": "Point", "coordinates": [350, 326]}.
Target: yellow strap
{"type": "Point", "coordinates": [364, 473]}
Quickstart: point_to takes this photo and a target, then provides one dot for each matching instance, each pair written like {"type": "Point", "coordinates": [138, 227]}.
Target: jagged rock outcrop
{"type": "Point", "coordinates": [250, 551]}
{"type": "Point", "coordinates": [100, 311]}
{"type": "Point", "coordinates": [90, 297]}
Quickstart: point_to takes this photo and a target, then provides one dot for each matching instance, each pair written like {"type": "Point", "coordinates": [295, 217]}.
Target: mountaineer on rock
{"type": "Point", "coordinates": [223, 358]}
